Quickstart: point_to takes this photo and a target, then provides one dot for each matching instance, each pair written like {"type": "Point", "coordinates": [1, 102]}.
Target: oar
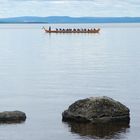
{"type": "Point", "coordinates": [43, 28]}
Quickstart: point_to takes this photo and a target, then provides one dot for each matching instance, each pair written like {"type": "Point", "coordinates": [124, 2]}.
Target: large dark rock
{"type": "Point", "coordinates": [96, 110]}
{"type": "Point", "coordinates": [12, 116]}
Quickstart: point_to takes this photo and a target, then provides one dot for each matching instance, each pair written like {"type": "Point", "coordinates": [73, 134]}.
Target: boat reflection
{"type": "Point", "coordinates": [100, 131]}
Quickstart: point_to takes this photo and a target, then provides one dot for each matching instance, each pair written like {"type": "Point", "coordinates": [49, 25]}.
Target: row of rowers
{"type": "Point", "coordinates": [70, 30]}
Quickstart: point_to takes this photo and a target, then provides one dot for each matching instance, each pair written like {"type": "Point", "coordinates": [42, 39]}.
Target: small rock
{"type": "Point", "coordinates": [96, 110]}
{"type": "Point", "coordinates": [12, 116]}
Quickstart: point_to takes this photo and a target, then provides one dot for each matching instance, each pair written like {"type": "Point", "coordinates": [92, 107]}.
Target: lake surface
{"type": "Point", "coordinates": [42, 74]}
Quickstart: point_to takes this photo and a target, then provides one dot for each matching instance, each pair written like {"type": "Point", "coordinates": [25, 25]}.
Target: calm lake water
{"type": "Point", "coordinates": [42, 74]}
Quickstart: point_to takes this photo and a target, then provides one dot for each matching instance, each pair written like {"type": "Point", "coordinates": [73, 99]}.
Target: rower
{"type": "Point", "coordinates": [49, 28]}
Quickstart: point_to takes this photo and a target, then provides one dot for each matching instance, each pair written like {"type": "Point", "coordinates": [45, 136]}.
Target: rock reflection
{"type": "Point", "coordinates": [100, 131]}
{"type": "Point", "coordinates": [12, 122]}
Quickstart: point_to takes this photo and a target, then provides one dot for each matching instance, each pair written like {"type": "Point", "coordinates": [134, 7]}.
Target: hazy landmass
{"type": "Point", "coordinates": [66, 19]}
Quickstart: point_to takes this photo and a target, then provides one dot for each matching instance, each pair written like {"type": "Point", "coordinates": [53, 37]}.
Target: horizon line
{"type": "Point", "coordinates": [75, 16]}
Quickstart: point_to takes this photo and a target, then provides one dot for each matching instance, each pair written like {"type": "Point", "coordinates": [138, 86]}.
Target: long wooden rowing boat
{"type": "Point", "coordinates": [72, 30]}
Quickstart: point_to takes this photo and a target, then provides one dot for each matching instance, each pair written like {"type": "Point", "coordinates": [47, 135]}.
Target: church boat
{"type": "Point", "coordinates": [71, 30]}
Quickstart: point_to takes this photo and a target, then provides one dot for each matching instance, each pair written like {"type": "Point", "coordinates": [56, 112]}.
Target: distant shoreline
{"type": "Point", "coordinates": [68, 20]}
{"type": "Point", "coordinates": [68, 23]}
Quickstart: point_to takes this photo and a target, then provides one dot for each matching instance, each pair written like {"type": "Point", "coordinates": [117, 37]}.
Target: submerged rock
{"type": "Point", "coordinates": [96, 110]}
{"type": "Point", "coordinates": [12, 116]}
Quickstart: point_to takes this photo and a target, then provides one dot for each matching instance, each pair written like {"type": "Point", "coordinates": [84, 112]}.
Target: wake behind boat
{"type": "Point", "coordinates": [71, 30]}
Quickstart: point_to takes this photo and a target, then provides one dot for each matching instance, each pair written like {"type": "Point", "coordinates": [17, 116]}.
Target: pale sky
{"type": "Point", "coordinates": [75, 8]}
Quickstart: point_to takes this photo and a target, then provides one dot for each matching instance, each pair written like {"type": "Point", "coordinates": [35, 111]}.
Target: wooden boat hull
{"type": "Point", "coordinates": [61, 31]}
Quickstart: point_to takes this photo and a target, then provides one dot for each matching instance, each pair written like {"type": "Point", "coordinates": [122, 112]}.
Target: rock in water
{"type": "Point", "coordinates": [96, 110]}
{"type": "Point", "coordinates": [12, 116]}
